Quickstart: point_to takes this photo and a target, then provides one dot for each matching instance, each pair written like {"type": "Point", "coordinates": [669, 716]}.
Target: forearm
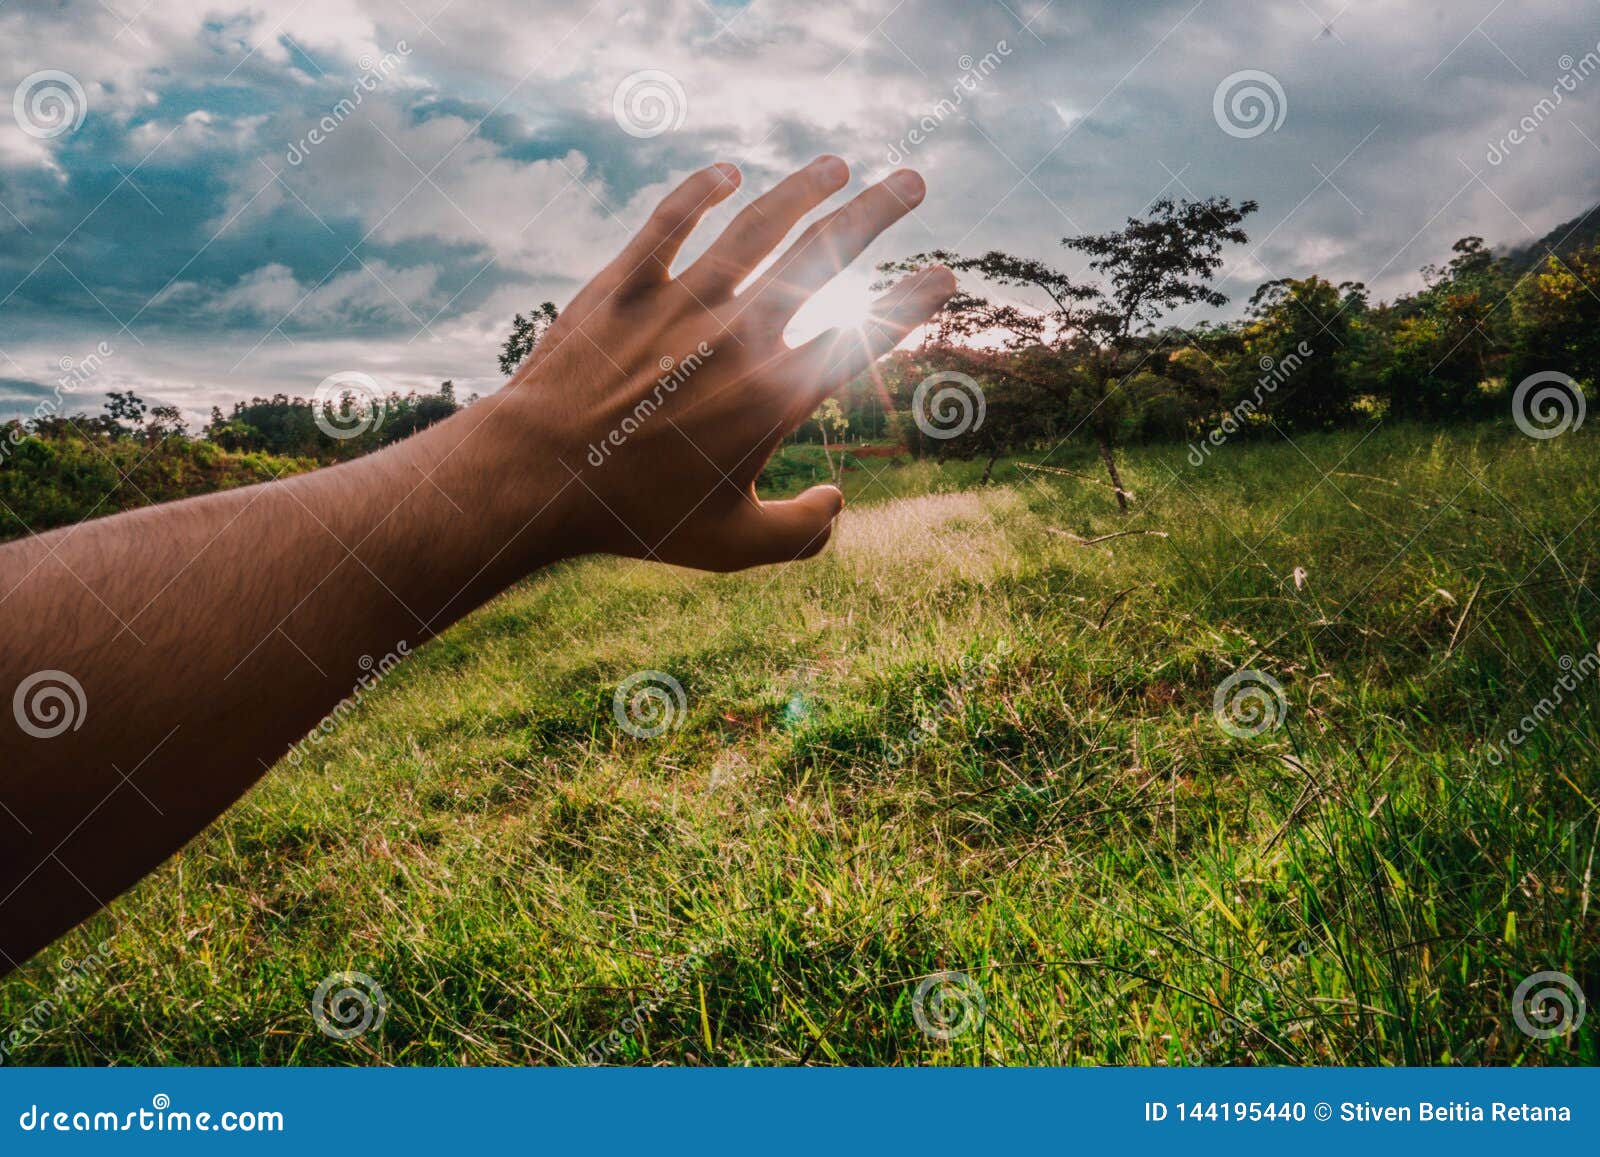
{"type": "Point", "coordinates": [209, 635]}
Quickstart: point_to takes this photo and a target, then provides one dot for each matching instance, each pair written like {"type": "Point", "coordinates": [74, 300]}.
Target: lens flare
{"type": "Point", "coordinates": [844, 303]}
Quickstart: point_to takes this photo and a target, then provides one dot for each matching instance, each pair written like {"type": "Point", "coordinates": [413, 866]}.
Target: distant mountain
{"type": "Point", "coordinates": [1582, 232]}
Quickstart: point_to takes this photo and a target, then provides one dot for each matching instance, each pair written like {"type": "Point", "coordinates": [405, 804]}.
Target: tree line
{"type": "Point", "coordinates": [57, 469]}
{"type": "Point", "coordinates": [1101, 358]}
{"type": "Point", "coordinates": [1025, 356]}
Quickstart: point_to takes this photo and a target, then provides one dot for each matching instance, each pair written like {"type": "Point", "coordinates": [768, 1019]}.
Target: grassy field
{"type": "Point", "coordinates": [964, 740]}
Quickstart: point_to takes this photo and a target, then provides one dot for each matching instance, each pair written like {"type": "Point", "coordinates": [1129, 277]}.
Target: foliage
{"type": "Point", "coordinates": [284, 425]}
{"type": "Point", "coordinates": [525, 334]}
{"type": "Point", "coordinates": [56, 470]}
{"type": "Point", "coordinates": [1309, 355]}
{"type": "Point", "coordinates": [1557, 316]}
{"type": "Point", "coordinates": [1080, 348]}
{"type": "Point", "coordinates": [66, 470]}
{"type": "Point", "coordinates": [1310, 326]}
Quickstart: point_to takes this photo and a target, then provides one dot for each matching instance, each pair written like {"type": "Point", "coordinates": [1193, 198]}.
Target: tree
{"type": "Point", "coordinates": [1079, 347]}
{"type": "Point", "coordinates": [1558, 311]}
{"type": "Point", "coordinates": [125, 407]}
{"type": "Point", "coordinates": [1299, 345]}
{"type": "Point", "coordinates": [831, 422]}
{"type": "Point", "coordinates": [1435, 350]}
{"type": "Point", "coordinates": [404, 416]}
{"type": "Point", "coordinates": [525, 334]}
{"type": "Point", "coordinates": [166, 422]}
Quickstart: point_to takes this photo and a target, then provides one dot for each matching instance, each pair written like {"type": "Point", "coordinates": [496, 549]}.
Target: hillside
{"type": "Point", "coordinates": [1582, 232]}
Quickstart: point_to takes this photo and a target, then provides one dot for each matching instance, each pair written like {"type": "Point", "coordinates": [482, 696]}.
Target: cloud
{"type": "Point", "coordinates": [369, 292]}
{"type": "Point", "coordinates": [192, 219]}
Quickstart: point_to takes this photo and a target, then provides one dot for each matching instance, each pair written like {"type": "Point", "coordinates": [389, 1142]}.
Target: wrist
{"type": "Point", "coordinates": [500, 478]}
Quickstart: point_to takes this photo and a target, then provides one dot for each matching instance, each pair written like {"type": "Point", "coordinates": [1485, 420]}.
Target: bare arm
{"type": "Point", "coordinates": [208, 635]}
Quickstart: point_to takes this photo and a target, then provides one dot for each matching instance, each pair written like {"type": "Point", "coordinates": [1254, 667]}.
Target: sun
{"type": "Point", "coordinates": [844, 303]}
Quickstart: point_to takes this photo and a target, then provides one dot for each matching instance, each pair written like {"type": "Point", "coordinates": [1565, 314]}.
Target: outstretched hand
{"type": "Point", "coordinates": [666, 394]}
{"type": "Point", "coordinates": [202, 638]}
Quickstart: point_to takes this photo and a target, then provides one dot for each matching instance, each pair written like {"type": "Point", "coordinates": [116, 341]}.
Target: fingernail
{"type": "Point", "coordinates": [832, 169]}
{"type": "Point", "coordinates": [907, 184]}
{"type": "Point", "coordinates": [730, 173]}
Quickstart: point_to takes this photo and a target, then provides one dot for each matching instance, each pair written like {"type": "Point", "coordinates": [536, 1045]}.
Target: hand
{"type": "Point", "coordinates": [663, 396]}
{"type": "Point", "coordinates": [211, 634]}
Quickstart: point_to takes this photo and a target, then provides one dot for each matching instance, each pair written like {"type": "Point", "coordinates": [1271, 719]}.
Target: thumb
{"type": "Point", "coordinates": [793, 529]}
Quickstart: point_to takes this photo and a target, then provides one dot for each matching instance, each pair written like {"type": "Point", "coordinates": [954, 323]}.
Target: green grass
{"type": "Point", "coordinates": [960, 740]}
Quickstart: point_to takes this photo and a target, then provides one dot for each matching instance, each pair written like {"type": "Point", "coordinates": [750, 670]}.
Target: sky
{"type": "Point", "coordinates": [204, 200]}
